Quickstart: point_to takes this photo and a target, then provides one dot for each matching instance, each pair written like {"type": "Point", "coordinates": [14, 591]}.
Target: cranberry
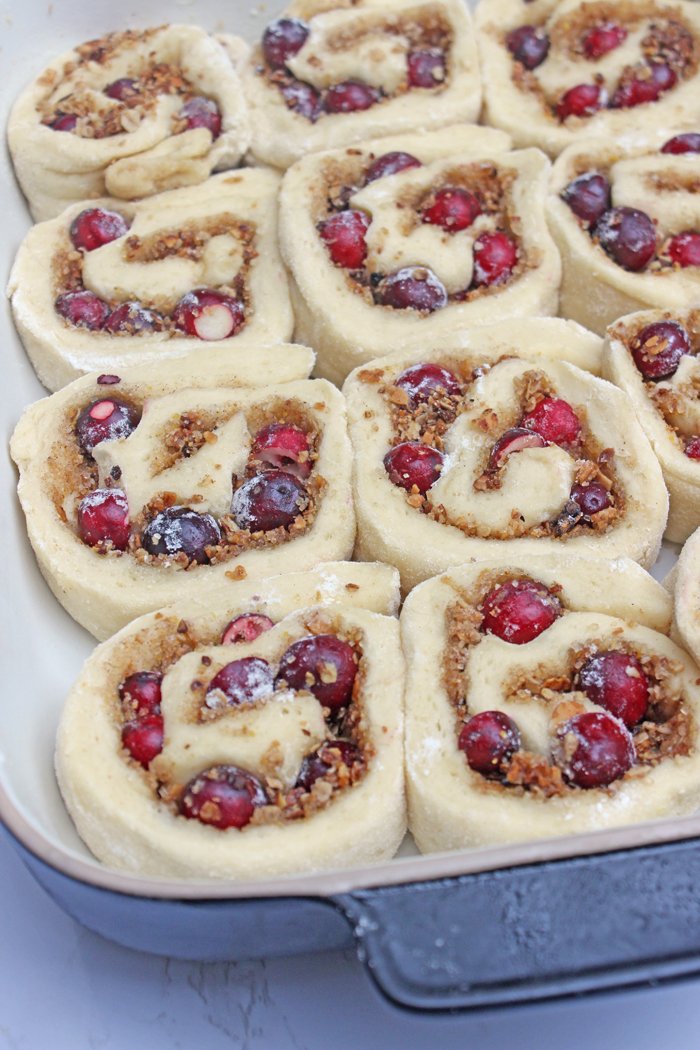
{"type": "Point", "coordinates": [350, 96]}
{"type": "Point", "coordinates": [268, 501]}
{"type": "Point", "coordinates": [411, 288]}
{"type": "Point", "coordinates": [518, 611]}
{"type": "Point", "coordinates": [328, 756]}
{"type": "Point", "coordinates": [603, 749]}
{"type": "Point", "coordinates": [246, 628]}
{"type": "Point", "coordinates": [83, 309]}
{"type": "Point", "coordinates": [202, 112]}
{"type": "Point", "coordinates": [390, 164]}
{"type": "Point", "coordinates": [555, 420]}
{"type": "Point", "coordinates": [242, 681]}
{"type": "Point", "coordinates": [495, 256]}
{"type": "Point", "coordinates": [344, 236]}
{"type": "Point", "coordinates": [422, 381]}
{"type": "Point", "coordinates": [591, 498]}
{"type": "Point", "coordinates": [411, 463]}
{"type": "Point", "coordinates": [453, 209]}
{"type": "Point", "coordinates": [581, 101]}
{"type": "Point", "coordinates": [603, 38]}
{"type": "Point", "coordinates": [107, 379]}
{"type": "Point", "coordinates": [140, 693]}
{"type": "Point", "coordinates": [208, 314]}
{"type": "Point", "coordinates": [426, 67]}
{"type": "Point", "coordinates": [616, 681]}
{"type": "Point", "coordinates": [588, 196]}
{"type": "Point", "coordinates": [628, 236]}
{"type": "Point", "coordinates": [528, 45]}
{"type": "Point", "coordinates": [658, 349]}
{"type": "Point", "coordinates": [692, 449]}
{"type": "Point", "coordinates": [303, 99]}
{"type": "Point", "coordinates": [488, 740]}
{"type": "Point", "coordinates": [514, 440]}
{"type": "Point", "coordinates": [95, 227]}
{"type": "Point", "coordinates": [63, 122]}
{"type": "Point", "coordinates": [132, 319]}
{"type": "Point", "coordinates": [224, 796]}
{"type": "Point", "coordinates": [684, 249]}
{"type": "Point", "coordinates": [323, 665]}
{"type": "Point", "coordinates": [179, 530]}
{"type": "Point", "coordinates": [282, 39]}
{"type": "Point", "coordinates": [103, 518]}
{"type": "Point", "coordinates": [281, 446]}
{"type": "Point", "coordinates": [686, 143]}
{"type": "Point", "coordinates": [143, 738]}
{"type": "Point", "coordinates": [122, 90]}
{"type": "Point", "coordinates": [646, 86]}
{"type": "Point", "coordinates": [105, 420]}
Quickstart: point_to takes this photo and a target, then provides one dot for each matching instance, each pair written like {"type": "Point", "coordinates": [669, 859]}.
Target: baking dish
{"type": "Point", "coordinates": [460, 930]}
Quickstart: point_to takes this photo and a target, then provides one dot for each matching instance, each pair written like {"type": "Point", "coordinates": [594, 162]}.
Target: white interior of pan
{"type": "Point", "coordinates": [42, 649]}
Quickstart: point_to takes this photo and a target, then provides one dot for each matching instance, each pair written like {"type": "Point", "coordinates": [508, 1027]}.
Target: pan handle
{"type": "Point", "coordinates": [536, 932]}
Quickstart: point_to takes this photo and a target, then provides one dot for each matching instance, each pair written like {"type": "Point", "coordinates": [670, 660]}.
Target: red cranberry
{"type": "Point", "coordinates": [686, 143]}
{"type": "Point", "coordinates": [514, 440]}
{"type": "Point", "coordinates": [140, 693]}
{"type": "Point", "coordinates": [132, 319]}
{"type": "Point", "coordinates": [344, 236]}
{"type": "Point", "coordinates": [628, 236]}
{"type": "Point", "coordinates": [350, 96]}
{"type": "Point", "coordinates": [323, 665]}
{"type": "Point", "coordinates": [488, 740]}
{"type": "Point", "coordinates": [122, 90]}
{"type": "Point", "coordinates": [555, 420]}
{"type": "Point", "coordinates": [518, 611]}
{"type": "Point", "coordinates": [588, 196]}
{"type": "Point", "coordinates": [208, 314]}
{"type": "Point", "coordinates": [179, 530]}
{"type": "Point", "coordinates": [390, 164]}
{"type": "Point", "coordinates": [422, 381]}
{"type": "Point", "coordinates": [581, 101]}
{"type": "Point", "coordinates": [603, 749]}
{"type": "Point", "coordinates": [282, 39]}
{"type": "Point", "coordinates": [528, 45]}
{"type": "Point", "coordinates": [591, 498]}
{"type": "Point", "coordinates": [426, 67]}
{"type": "Point", "coordinates": [202, 112]}
{"type": "Point", "coordinates": [105, 420]}
{"type": "Point", "coordinates": [303, 99]}
{"type": "Point", "coordinates": [692, 449]}
{"type": "Point", "coordinates": [658, 349]}
{"type": "Point", "coordinates": [246, 628]}
{"type": "Point", "coordinates": [107, 379]}
{"type": "Point", "coordinates": [616, 681]}
{"type": "Point", "coordinates": [411, 288]}
{"type": "Point", "coordinates": [223, 796]}
{"type": "Point", "coordinates": [268, 501]}
{"type": "Point", "coordinates": [63, 122]}
{"type": "Point", "coordinates": [103, 518]}
{"type": "Point", "coordinates": [242, 681]}
{"type": "Point", "coordinates": [83, 309]}
{"type": "Point", "coordinates": [143, 738]}
{"type": "Point", "coordinates": [646, 86]}
{"type": "Point", "coordinates": [328, 756]}
{"type": "Point", "coordinates": [411, 463]}
{"type": "Point", "coordinates": [453, 209]}
{"type": "Point", "coordinates": [602, 39]}
{"type": "Point", "coordinates": [281, 446]}
{"type": "Point", "coordinates": [684, 249]}
{"type": "Point", "coordinates": [495, 256]}
{"type": "Point", "coordinates": [95, 227]}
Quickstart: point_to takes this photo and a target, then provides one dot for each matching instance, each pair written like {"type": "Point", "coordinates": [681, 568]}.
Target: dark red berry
{"type": "Point", "coordinates": [223, 796]}
{"type": "Point", "coordinates": [555, 420]}
{"type": "Point", "coordinates": [105, 420]}
{"type": "Point", "coordinates": [684, 249]}
{"type": "Point", "coordinates": [581, 101]}
{"type": "Point", "coordinates": [519, 610]}
{"type": "Point", "coordinates": [350, 96]}
{"type": "Point", "coordinates": [303, 99]}
{"type": "Point", "coordinates": [616, 681]}
{"type": "Point", "coordinates": [588, 196]}
{"type": "Point", "coordinates": [426, 67]}
{"type": "Point", "coordinates": [514, 440]}
{"type": "Point", "coordinates": [488, 740]}
{"type": "Point", "coordinates": [423, 380]}
{"type": "Point", "coordinates": [591, 498]}
{"type": "Point", "coordinates": [646, 86]}
{"type": "Point", "coordinates": [107, 379]}
{"type": "Point", "coordinates": [628, 236]}
{"type": "Point", "coordinates": [411, 463]}
{"type": "Point", "coordinates": [323, 665]}
{"type": "Point", "coordinates": [63, 122]}
{"type": "Point", "coordinates": [122, 90]}
{"type": "Point", "coordinates": [96, 226]}
{"type": "Point", "coordinates": [659, 347]}
{"type": "Point", "coordinates": [344, 236]}
{"type": "Point", "coordinates": [686, 143]}
{"type": "Point", "coordinates": [268, 501]}
{"type": "Point", "coordinates": [83, 309]}
{"type": "Point", "coordinates": [140, 693]}
{"type": "Point", "coordinates": [179, 530]}
{"type": "Point", "coordinates": [282, 39]}
{"type": "Point", "coordinates": [495, 256]}
{"type": "Point", "coordinates": [208, 314]}
{"type": "Point", "coordinates": [241, 681]}
{"type": "Point", "coordinates": [593, 749]}
{"type": "Point", "coordinates": [143, 738]}
{"type": "Point", "coordinates": [453, 208]}
{"type": "Point", "coordinates": [528, 45]}
{"type": "Point", "coordinates": [281, 446]}
{"type": "Point", "coordinates": [330, 755]}
{"type": "Point", "coordinates": [411, 288]}
{"type": "Point", "coordinates": [692, 449]}
{"type": "Point", "coordinates": [390, 164]}
{"type": "Point", "coordinates": [200, 112]}
{"type": "Point", "coordinates": [103, 519]}
{"type": "Point", "coordinates": [602, 39]}
{"type": "Point", "coordinates": [246, 628]}
{"type": "Point", "coordinates": [133, 319]}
